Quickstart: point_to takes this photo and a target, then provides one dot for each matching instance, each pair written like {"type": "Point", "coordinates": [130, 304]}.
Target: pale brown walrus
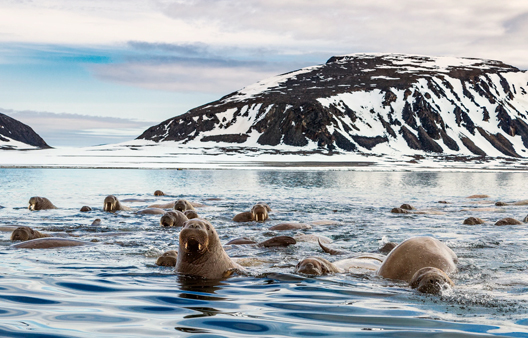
{"type": "Point", "coordinates": [430, 280]}
{"type": "Point", "coordinates": [191, 214]}
{"type": "Point", "coordinates": [183, 205]}
{"type": "Point", "coordinates": [201, 254]}
{"type": "Point", "coordinates": [40, 203]}
{"type": "Point", "coordinates": [168, 258]}
{"type": "Point", "coordinates": [508, 221]}
{"type": "Point", "coordinates": [111, 204]}
{"type": "Point", "coordinates": [173, 218]}
{"type": "Point", "coordinates": [48, 243]}
{"type": "Point", "coordinates": [319, 266]}
{"type": "Point", "coordinates": [290, 226]}
{"type": "Point", "coordinates": [259, 212]}
{"type": "Point", "coordinates": [24, 233]}
{"type": "Point", "coordinates": [417, 253]}
{"type": "Point", "coordinates": [151, 211]}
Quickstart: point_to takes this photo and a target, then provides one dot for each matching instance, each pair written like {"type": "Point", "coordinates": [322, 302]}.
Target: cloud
{"type": "Point", "coordinates": [79, 130]}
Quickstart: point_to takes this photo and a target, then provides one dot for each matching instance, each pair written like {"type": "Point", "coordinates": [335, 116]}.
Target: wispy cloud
{"type": "Point", "coordinates": [79, 130]}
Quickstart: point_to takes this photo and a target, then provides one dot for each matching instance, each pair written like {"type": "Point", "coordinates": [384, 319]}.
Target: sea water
{"type": "Point", "coordinates": [112, 287]}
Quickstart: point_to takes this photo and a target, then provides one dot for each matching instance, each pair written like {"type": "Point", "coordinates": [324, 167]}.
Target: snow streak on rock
{"type": "Point", "coordinates": [16, 135]}
{"type": "Point", "coordinates": [370, 103]}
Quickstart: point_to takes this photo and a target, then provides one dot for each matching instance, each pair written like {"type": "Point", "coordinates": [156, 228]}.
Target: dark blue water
{"type": "Point", "coordinates": [113, 288]}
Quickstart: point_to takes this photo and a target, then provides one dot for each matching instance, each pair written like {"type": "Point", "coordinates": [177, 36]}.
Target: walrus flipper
{"type": "Point", "coordinates": [331, 251]}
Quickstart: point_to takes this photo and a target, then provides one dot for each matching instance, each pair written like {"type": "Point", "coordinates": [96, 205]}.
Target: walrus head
{"type": "Point", "coordinates": [33, 203]}
{"type": "Point", "coordinates": [168, 258]}
{"type": "Point", "coordinates": [22, 234]}
{"type": "Point", "coordinates": [110, 203]}
{"type": "Point", "coordinates": [430, 280]}
{"type": "Point", "coordinates": [173, 218]}
{"type": "Point", "coordinates": [196, 237]}
{"type": "Point", "coordinates": [259, 212]}
{"type": "Point", "coordinates": [159, 193]}
{"type": "Point", "coordinates": [182, 205]}
{"type": "Point", "coordinates": [313, 266]}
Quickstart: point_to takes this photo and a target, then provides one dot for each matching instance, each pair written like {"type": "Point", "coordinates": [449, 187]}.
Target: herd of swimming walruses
{"type": "Point", "coordinates": [424, 262]}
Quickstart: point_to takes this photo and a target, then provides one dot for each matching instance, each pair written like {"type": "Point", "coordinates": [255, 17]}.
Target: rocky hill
{"type": "Point", "coordinates": [371, 104]}
{"type": "Point", "coordinates": [16, 135]}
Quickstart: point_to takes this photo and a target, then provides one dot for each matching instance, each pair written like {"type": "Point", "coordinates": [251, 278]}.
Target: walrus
{"type": "Point", "coordinates": [272, 242]}
{"type": "Point", "coordinates": [241, 241]}
{"type": "Point", "coordinates": [290, 226]}
{"type": "Point", "coordinates": [183, 205]}
{"type": "Point", "coordinates": [259, 213]}
{"type": "Point", "coordinates": [24, 233]}
{"type": "Point", "coordinates": [173, 218]}
{"type": "Point", "coordinates": [48, 243]}
{"type": "Point", "coordinates": [111, 204]}
{"type": "Point", "coordinates": [387, 247]}
{"type": "Point", "coordinates": [191, 214]}
{"type": "Point", "coordinates": [200, 253]}
{"type": "Point", "coordinates": [331, 251]}
{"type": "Point", "coordinates": [407, 207]}
{"type": "Point", "coordinates": [40, 203]}
{"type": "Point", "coordinates": [319, 266]}
{"type": "Point", "coordinates": [86, 209]}
{"type": "Point", "coordinates": [508, 221]}
{"type": "Point", "coordinates": [417, 253]}
{"type": "Point", "coordinates": [151, 211]}
{"type": "Point", "coordinates": [159, 193]}
{"type": "Point", "coordinates": [478, 196]}
{"type": "Point", "coordinates": [523, 202]}
{"type": "Point", "coordinates": [96, 222]}
{"type": "Point", "coordinates": [168, 258]}
{"type": "Point", "coordinates": [473, 221]}
{"type": "Point", "coordinates": [316, 266]}
{"type": "Point", "coordinates": [430, 280]}
{"type": "Point", "coordinates": [400, 211]}
{"type": "Point", "coordinates": [312, 238]}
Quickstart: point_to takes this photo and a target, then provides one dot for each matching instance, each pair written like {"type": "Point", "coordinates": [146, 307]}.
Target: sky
{"type": "Point", "coordinates": [90, 72]}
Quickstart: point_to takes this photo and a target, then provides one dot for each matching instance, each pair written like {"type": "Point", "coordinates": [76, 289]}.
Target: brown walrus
{"type": "Point", "coordinates": [48, 243]}
{"type": "Point", "coordinates": [191, 214]}
{"type": "Point", "coordinates": [290, 226]}
{"type": "Point", "coordinates": [201, 254]}
{"type": "Point", "coordinates": [417, 253]}
{"type": "Point", "coordinates": [473, 221]}
{"type": "Point", "coordinates": [159, 193]}
{"type": "Point", "coordinates": [173, 218]}
{"type": "Point", "coordinates": [259, 213]}
{"type": "Point", "coordinates": [40, 203]}
{"type": "Point", "coordinates": [24, 233]}
{"type": "Point", "coordinates": [430, 280]}
{"type": "Point", "coordinates": [168, 258]}
{"type": "Point", "coordinates": [183, 205]}
{"type": "Point", "coordinates": [316, 266]}
{"type": "Point", "coordinates": [508, 221]}
{"type": "Point", "coordinates": [272, 242]}
{"type": "Point", "coordinates": [111, 204]}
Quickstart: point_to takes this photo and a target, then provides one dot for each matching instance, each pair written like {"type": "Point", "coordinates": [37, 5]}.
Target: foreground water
{"type": "Point", "coordinates": [113, 288]}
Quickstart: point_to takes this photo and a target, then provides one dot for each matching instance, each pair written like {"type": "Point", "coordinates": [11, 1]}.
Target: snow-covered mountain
{"type": "Point", "coordinates": [17, 135]}
{"type": "Point", "coordinates": [371, 104]}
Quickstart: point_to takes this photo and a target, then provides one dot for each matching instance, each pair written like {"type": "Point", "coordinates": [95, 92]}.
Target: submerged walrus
{"type": "Point", "coordinates": [48, 243]}
{"type": "Point", "coordinates": [24, 233]}
{"type": "Point", "coordinates": [173, 218]}
{"type": "Point", "coordinates": [319, 266]}
{"type": "Point", "coordinates": [40, 203]}
{"type": "Point", "coordinates": [168, 258]}
{"type": "Point", "coordinates": [201, 254]}
{"type": "Point", "coordinates": [159, 193]}
{"type": "Point", "coordinates": [183, 205]}
{"type": "Point", "coordinates": [417, 253]}
{"type": "Point", "coordinates": [111, 204]}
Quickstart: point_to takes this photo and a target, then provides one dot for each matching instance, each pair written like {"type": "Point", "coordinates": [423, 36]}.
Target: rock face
{"type": "Point", "coordinates": [13, 131]}
{"type": "Point", "coordinates": [380, 104]}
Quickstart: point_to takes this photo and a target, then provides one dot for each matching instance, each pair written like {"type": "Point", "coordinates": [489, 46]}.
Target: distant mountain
{"type": "Point", "coordinates": [16, 135]}
{"type": "Point", "coordinates": [372, 104]}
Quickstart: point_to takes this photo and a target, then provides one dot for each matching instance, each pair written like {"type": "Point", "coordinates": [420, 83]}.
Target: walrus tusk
{"type": "Point", "coordinates": [199, 247]}
{"type": "Point", "coordinates": [186, 246]}
{"type": "Point", "coordinates": [256, 216]}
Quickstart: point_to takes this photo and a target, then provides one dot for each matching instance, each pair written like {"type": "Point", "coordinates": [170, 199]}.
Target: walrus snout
{"type": "Point", "coordinates": [109, 203]}
{"type": "Point", "coordinates": [430, 280]}
{"type": "Point", "coordinates": [309, 267]}
{"type": "Point", "coordinates": [260, 212]}
{"type": "Point", "coordinates": [166, 221]}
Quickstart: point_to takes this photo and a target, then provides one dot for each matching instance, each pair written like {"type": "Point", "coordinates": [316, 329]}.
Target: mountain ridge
{"type": "Point", "coordinates": [15, 134]}
{"type": "Point", "coordinates": [369, 103]}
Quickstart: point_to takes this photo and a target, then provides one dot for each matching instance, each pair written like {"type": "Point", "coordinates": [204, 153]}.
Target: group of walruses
{"type": "Point", "coordinates": [424, 262]}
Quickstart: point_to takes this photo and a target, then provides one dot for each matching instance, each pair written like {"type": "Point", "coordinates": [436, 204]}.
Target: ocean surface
{"type": "Point", "coordinates": [112, 286]}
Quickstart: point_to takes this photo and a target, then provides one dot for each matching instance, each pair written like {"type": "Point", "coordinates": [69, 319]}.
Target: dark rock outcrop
{"type": "Point", "coordinates": [18, 131]}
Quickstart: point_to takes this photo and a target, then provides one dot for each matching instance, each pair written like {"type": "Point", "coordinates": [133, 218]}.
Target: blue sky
{"type": "Point", "coordinates": [91, 72]}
